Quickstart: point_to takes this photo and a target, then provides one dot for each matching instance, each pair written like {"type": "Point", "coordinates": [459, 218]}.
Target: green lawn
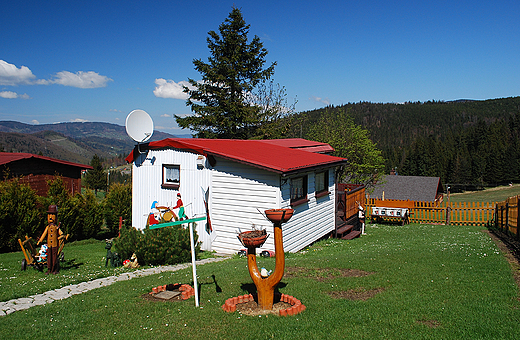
{"type": "Point", "coordinates": [425, 282]}
{"type": "Point", "coordinates": [497, 194]}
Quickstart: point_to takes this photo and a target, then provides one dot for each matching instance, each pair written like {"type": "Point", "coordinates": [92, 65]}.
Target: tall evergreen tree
{"type": "Point", "coordinates": [96, 178]}
{"type": "Point", "coordinates": [221, 102]}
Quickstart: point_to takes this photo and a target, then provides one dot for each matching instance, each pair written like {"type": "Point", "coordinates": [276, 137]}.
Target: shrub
{"type": "Point", "coordinates": [118, 202]}
{"type": "Point", "coordinates": [128, 242]}
{"type": "Point", "coordinates": [80, 216]}
{"type": "Point", "coordinates": [19, 214]}
{"type": "Point", "coordinates": [160, 246]}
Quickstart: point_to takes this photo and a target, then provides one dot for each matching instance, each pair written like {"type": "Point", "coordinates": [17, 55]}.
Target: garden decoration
{"type": "Point", "coordinates": [265, 284]}
{"type": "Point", "coordinates": [53, 234]}
{"type": "Point", "coordinates": [132, 263]}
{"type": "Point", "coordinates": [115, 261]}
{"type": "Point", "coordinates": [37, 259]}
{"type": "Point", "coordinates": [190, 222]}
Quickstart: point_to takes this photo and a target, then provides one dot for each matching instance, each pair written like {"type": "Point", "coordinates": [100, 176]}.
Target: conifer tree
{"type": "Point", "coordinates": [96, 178]}
{"type": "Point", "coordinates": [221, 102]}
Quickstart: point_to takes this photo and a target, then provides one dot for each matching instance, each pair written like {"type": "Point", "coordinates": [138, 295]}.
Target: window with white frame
{"type": "Point", "coordinates": [171, 176]}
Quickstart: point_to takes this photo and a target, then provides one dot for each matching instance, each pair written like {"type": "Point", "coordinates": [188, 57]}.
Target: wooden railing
{"type": "Point", "coordinates": [456, 213]}
{"type": "Point", "coordinates": [506, 215]}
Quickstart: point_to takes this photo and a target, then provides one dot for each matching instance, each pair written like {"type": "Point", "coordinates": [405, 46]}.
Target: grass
{"type": "Point", "coordinates": [497, 194]}
{"type": "Point", "coordinates": [428, 282]}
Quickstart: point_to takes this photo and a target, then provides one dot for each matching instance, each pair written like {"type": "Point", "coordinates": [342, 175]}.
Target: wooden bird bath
{"type": "Point", "coordinates": [265, 285]}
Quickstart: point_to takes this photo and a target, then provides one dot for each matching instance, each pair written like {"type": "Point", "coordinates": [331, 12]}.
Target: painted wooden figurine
{"type": "Point", "coordinates": [53, 234]}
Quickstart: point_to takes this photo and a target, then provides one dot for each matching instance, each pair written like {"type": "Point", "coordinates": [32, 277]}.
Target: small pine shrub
{"type": "Point", "coordinates": [128, 242]}
{"type": "Point", "coordinates": [169, 245]}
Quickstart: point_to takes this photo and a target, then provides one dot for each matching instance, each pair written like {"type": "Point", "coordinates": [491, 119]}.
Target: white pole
{"type": "Point", "coordinates": [192, 244]}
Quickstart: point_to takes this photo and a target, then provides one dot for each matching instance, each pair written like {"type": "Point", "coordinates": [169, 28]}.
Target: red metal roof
{"type": "Point", "coordinates": [260, 153]}
{"type": "Point", "coordinates": [302, 144]}
{"type": "Point", "coordinates": [8, 157]}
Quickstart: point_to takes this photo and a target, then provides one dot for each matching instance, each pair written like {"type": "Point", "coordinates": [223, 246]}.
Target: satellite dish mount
{"type": "Point", "coordinates": [139, 126]}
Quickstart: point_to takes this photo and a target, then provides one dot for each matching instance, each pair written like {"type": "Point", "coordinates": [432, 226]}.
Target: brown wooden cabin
{"type": "Point", "coordinates": [36, 170]}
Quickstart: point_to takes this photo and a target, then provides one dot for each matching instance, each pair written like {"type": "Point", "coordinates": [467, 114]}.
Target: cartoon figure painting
{"type": "Point", "coordinates": [180, 206]}
{"type": "Point", "coordinates": [160, 214]}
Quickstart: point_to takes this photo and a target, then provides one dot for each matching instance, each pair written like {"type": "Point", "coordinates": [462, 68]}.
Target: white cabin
{"type": "Point", "coordinates": [232, 182]}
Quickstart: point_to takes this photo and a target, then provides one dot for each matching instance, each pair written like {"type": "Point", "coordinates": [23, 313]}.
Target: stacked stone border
{"type": "Point", "coordinates": [297, 307]}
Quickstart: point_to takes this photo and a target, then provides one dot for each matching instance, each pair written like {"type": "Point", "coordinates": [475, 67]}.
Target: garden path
{"type": "Point", "coordinates": [14, 305]}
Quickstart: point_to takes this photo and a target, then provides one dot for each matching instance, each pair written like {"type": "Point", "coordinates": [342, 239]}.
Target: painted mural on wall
{"type": "Point", "coordinates": [160, 214]}
{"type": "Point", "coordinates": [163, 213]}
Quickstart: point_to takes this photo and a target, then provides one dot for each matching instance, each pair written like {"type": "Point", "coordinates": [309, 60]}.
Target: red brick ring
{"type": "Point", "coordinates": [296, 306]}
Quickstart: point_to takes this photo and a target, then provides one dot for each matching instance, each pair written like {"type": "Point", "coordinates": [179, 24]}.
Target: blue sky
{"type": "Point", "coordinates": [63, 61]}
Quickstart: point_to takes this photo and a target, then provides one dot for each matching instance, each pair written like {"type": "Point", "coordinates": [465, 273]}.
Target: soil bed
{"type": "Point", "coordinates": [252, 308]}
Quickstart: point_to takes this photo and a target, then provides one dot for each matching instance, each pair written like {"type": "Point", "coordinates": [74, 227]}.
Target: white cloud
{"type": "Point", "coordinates": [170, 89]}
{"type": "Point", "coordinates": [13, 95]}
{"type": "Point", "coordinates": [35, 122]}
{"type": "Point", "coordinates": [165, 115]}
{"type": "Point", "coordinates": [78, 120]}
{"type": "Point", "coordinates": [325, 101]}
{"type": "Point", "coordinates": [83, 80]}
{"type": "Point", "coordinates": [12, 75]}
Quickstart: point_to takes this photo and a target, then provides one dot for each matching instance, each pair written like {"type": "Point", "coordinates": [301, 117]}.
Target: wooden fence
{"type": "Point", "coordinates": [455, 213]}
{"type": "Point", "coordinates": [507, 218]}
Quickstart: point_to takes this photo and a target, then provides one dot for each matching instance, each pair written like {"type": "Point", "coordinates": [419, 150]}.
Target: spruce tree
{"type": "Point", "coordinates": [96, 178]}
{"type": "Point", "coordinates": [221, 102]}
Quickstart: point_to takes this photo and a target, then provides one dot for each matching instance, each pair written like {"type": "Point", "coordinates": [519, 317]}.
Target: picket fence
{"type": "Point", "coordinates": [454, 213]}
{"type": "Point", "coordinates": [507, 218]}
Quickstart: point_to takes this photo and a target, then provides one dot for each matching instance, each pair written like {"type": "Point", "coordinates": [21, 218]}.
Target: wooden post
{"type": "Point", "coordinates": [517, 217]}
{"type": "Point", "coordinates": [265, 286]}
{"type": "Point", "coordinates": [506, 227]}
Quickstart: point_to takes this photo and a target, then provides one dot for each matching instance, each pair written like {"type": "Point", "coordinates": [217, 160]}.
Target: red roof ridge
{"type": "Point", "coordinates": [259, 153]}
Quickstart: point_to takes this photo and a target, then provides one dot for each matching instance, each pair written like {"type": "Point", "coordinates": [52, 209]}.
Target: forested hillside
{"type": "Point", "coordinates": [74, 142]}
{"type": "Point", "coordinates": [463, 142]}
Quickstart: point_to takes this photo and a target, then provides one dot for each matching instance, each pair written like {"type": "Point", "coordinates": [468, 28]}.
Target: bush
{"type": "Point", "coordinates": [19, 214]}
{"type": "Point", "coordinates": [118, 202]}
{"type": "Point", "coordinates": [169, 245]}
{"type": "Point", "coordinates": [128, 242]}
{"type": "Point", "coordinates": [80, 216]}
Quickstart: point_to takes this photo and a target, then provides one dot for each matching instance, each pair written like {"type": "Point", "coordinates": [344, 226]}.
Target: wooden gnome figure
{"type": "Point", "coordinates": [53, 234]}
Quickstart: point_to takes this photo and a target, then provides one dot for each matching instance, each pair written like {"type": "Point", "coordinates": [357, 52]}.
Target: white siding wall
{"type": "Point", "coordinates": [237, 192]}
{"type": "Point", "coordinates": [311, 220]}
{"type": "Point", "coordinates": [146, 186]}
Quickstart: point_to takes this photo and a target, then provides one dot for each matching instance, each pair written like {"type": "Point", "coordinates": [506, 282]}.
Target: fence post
{"type": "Point", "coordinates": [448, 214]}
{"type": "Point", "coordinates": [506, 227]}
{"type": "Point", "coordinates": [496, 216]}
{"type": "Point", "coordinates": [517, 217]}
{"type": "Point", "coordinates": [501, 217]}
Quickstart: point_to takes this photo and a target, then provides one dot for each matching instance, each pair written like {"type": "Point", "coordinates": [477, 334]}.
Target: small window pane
{"type": "Point", "coordinates": [172, 174]}
{"type": "Point", "coordinates": [320, 181]}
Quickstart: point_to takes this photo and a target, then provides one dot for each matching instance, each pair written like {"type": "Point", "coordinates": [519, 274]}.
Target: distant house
{"type": "Point", "coordinates": [36, 170]}
{"type": "Point", "coordinates": [413, 188]}
{"type": "Point", "coordinates": [232, 182]}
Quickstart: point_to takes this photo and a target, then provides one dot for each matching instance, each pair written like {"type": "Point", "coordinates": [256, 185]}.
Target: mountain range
{"type": "Point", "coordinates": [73, 142]}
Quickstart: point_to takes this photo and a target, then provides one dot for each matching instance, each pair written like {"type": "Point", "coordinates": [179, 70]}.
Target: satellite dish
{"type": "Point", "coordinates": [139, 126]}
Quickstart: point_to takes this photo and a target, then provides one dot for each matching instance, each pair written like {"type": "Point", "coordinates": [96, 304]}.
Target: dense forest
{"type": "Point", "coordinates": [464, 142]}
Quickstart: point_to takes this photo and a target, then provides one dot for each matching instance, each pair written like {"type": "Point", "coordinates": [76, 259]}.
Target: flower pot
{"type": "Point", "coordinates": [253, 238]}
{"type": "Point", "coordinates": [279, 216]}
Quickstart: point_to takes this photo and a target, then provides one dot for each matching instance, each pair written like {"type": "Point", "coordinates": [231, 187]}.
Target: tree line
{"type": "Point", "coordinates": [464, 142]}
